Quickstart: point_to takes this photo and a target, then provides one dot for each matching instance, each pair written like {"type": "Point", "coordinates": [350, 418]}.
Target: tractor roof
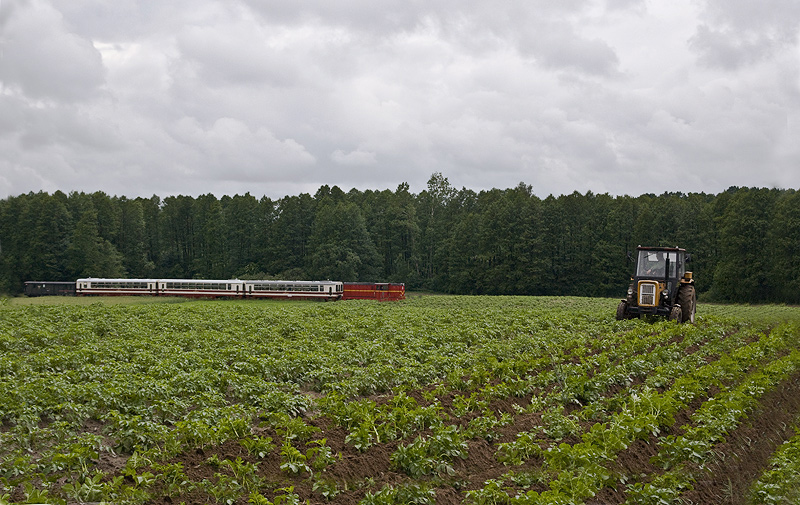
{"type": "Point", "coordinates": [653, 248]}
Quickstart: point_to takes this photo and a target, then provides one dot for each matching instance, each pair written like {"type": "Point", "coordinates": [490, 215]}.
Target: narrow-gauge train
{"type": "Point", "coordinates": [195, 288]}
{"type": "Point", "coordinates": [231, 288]}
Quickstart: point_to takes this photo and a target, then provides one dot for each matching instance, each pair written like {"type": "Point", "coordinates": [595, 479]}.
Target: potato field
{"type": "Point", "coordinates": [433, 400]}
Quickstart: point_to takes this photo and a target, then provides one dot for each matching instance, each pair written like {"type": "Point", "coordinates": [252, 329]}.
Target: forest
{"type": "Point", "coordinates": [745, 242]}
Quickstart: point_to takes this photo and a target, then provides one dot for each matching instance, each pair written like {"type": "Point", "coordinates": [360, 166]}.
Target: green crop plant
{"type": "Point", "coordinates": [568, 388]}
{"type": "Point", "coordinates": [410, 494]}
{"type": "Point", "coordinates": [319, 454]}
{"type": "Point", "coordinates": [259, 447]}
{"type": "Point", "coordinates": [292, 460]}
{"type": "Point", "coordinates": [432, 455]}
{"type": "Point", "coordinates": [780, 483]}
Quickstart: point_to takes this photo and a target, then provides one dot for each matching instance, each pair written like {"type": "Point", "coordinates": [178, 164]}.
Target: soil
{"type": "Point", "coordinates": [740, 460]}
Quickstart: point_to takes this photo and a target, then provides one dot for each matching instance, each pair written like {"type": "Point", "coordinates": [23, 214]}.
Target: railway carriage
{"type": "Point", "coordinates": [317, 290]}
{"type": "Point", "coordinates": [197, 288]}
{"type": "Point", "coordinates": [49, 288]}
{"type": "Point", "coordinates": [116, 287]}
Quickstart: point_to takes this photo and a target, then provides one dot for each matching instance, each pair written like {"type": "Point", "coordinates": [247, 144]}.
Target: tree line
{"type": "Point", "coordinates": [745, 242]}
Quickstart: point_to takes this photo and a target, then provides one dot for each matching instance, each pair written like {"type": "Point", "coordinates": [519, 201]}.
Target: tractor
{"type": "Point", "coordinates": [660, 286]}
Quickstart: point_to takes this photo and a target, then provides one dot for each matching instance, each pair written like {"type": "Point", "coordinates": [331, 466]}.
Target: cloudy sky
{"type": "Point", "coordinates": [143, 97]}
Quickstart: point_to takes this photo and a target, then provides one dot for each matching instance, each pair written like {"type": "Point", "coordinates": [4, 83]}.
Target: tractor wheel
{"type": "Point", "coordinates": [688, 302]}
{"type": "Point", "coordinates": [676, 314]}
{"type": "Point", "coordinates": [622, 311]}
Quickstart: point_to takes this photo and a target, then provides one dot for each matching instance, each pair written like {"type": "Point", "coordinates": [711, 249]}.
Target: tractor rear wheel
{"type": "Point", "coordinates": [687, 298]}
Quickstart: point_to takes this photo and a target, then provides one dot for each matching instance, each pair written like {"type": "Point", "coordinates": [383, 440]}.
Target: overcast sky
{"type": "Point", "coordinates": [275, 98]}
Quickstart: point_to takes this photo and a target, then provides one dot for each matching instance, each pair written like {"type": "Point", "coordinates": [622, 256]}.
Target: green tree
{"type": "Point", "coordinates": [742, 273]}
{"type": "Point", "coordinates": [177, 234]}
{"type": "Point", "coordinates": [784, 250]}
{"type": "Point", "coordinates": [90, 255]}
{"type": "Point", "coordinates": [287, 254]}
{"type": "Point", "coordinates": [132, 238]}
{"type": "Point", "coordinates": [209, 260]}
{"type": "Point", "coordinates": [342, 248]}
{"type": "Point", "coordinates": [151, 212]}
{"type": "Point", "coordinates": [241, 217]}
{"type": "Point", "coordinates": [432, 204]}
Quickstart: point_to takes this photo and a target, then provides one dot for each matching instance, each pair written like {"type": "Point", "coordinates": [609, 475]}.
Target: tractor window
{"type": "Point", "coordinates": [652, 263]}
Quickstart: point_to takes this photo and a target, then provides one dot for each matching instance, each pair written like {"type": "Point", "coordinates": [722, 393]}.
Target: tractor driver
{"type": "Point", "coordinates": [656, 268]}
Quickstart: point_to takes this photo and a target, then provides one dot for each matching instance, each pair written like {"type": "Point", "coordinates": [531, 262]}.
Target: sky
{"type": "Point", "coordinates": [275, 98]}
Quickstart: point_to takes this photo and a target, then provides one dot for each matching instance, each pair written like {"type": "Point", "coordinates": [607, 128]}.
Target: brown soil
{"type": "Point", "coordinates": [726, 481]}
{"type": "Point", "coordinates": [740, 460]}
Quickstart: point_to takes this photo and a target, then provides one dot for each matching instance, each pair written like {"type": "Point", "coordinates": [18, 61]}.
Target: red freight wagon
{"type": "Point", "coordinates": [374, 291]}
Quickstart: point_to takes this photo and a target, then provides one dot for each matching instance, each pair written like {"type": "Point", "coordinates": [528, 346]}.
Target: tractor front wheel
{"type": "Point", "coordinates": [676, 314]}
{"type": "Point", "coordinates": [622, 311]}
{"type": "Point", "coordinates": [687, 298]}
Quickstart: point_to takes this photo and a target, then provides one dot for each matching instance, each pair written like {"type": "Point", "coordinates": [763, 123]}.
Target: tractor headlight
{"type": "Point", "coordinates": [665, 295]}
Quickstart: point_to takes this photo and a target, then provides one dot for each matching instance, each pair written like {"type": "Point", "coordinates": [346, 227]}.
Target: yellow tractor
{"type": "Point", "coordinates": [660, 286]}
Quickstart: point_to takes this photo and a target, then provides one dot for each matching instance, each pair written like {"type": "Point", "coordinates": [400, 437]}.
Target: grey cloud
{"type": "Point", "coordinates": [536, 27]}
{"type": "Point", "coordinates": [626, 5]}
{"type": "Point", "coordinates": [280, 97]}
{"type": "Point", "coordinates": [44, 60]}
{"type": "Point", "coordinates": [728, 50]}
{"type": "Point", "coordinates": [743, 32]}
{"type": "Point", "coordinates": [239, 55]}
{"type": "Point", "coordinates": [561, 50]}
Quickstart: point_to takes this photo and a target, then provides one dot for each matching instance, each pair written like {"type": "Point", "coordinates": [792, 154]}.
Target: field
{"type": "Point", "coordinates": [437, 399]}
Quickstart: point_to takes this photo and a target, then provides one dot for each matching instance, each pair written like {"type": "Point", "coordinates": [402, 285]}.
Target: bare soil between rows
{"type": "Point", "coordinates": [726, 481]}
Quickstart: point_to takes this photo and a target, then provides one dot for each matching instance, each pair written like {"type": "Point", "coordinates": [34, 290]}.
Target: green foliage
{"type": "Point", "coordinates": [411, 494]}
{"type": "Point", "coordinates": [432, 455]}
{"type": "Point", "coordinates": [745, 241]}
{"type": "Point", "coordinates": [780, 484]}
{"type": "Point", "coordinates": [148, 385]}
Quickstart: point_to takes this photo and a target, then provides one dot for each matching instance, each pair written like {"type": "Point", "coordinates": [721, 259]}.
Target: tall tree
{"type": "Point", "coordinates": [131, 239]}
{"type": "Point", "coordinates": [291, 228]}
{"type": "Point", "coordinates": [784, 250]}
{"type": "Point", "coordinates": [90, 255]}
{"type": "Point", "coordinates": [342, 248]}
{"type": "Point", "coordinates": [742, 273]}
{"type": "Point", "coordinates": [177, 223]}
{"type": "Point", "coordinates": [432, 213]}
{"type": "Point", "coordinates": [241, 220]}
{"type": "Point", "coordinates": [210, 261]}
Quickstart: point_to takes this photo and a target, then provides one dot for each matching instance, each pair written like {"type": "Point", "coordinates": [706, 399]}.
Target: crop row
{"type": "Point", "coordinates": [118, 403]}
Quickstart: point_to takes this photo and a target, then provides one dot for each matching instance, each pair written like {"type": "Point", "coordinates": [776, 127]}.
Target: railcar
{"type": "Point", "coordinates": [316, 290]}
{"type": "Point", "coordinates": [196, 288]}
{"type": "Point", "coordinates": [49, 288]}
{"type": "Point", "coordinates": [116, 287]}
{"type": "Point", "coordinates": [382, 291]}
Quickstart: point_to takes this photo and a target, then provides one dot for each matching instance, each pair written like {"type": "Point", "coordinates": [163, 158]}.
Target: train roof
{"type": "Point", "coordinates": [100, 279]}
{"type": "Point", "coordinates": [49, 282]}
{"type": "Point", "coordinates": [210, 281]}
{"type": "Point", "coordinates": [291, 282]}
{"type": "Point", "coordinates": [103, 279]}
{"type": "Point", "coordinates": [373, 283]}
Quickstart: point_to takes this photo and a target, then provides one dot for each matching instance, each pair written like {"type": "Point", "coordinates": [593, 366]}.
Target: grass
{"type": "Point", "coordinates": [91, 300]}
